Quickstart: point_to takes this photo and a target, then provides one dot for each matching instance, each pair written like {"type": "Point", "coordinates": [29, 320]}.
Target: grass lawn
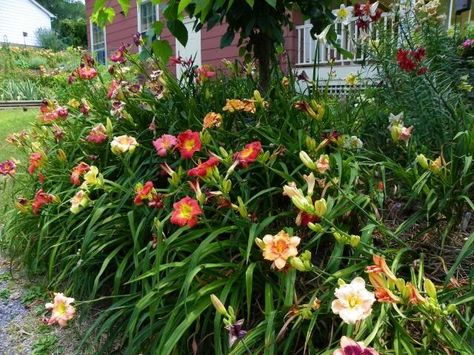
{"type": "Point", "coordinates": [13, 121]}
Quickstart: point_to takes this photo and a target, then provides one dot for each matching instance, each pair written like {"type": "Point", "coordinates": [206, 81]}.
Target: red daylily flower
{"type": "Point", "coordinates": [249, 154]}
{"type": "Point", "coordinates": [188, 143]}
{"type": "Point", "coordinates": [98, 134]}
{"type": "Point", "coordinates": [186, 212]}
{"type": "Point", "coordinates": [203, 169]}
{"type": "Point", "coordinates": [41, 198]}
{"type": "Point", "coordinates": [78, 171]}
{"type": "Point", "coordinates": [144, 192]}
{"type": "Point", "coordinates": [87, 72]}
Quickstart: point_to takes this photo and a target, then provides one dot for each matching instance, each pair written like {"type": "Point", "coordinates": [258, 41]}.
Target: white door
{"type": "Point", "coordinates": [193, 47]}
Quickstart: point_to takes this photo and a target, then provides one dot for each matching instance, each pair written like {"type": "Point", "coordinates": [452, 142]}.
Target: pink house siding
{"type": "Point", "coordinates": [124, 27]}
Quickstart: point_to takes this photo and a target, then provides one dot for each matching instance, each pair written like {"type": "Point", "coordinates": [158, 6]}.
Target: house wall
{"type": "Point", "coordinates": [20, 16]}
{"type": "Point", "coordinates": [124, 27]}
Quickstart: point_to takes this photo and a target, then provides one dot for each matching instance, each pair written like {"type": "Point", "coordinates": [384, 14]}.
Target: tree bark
{"type": "Point", "coordinates": [263, 51]}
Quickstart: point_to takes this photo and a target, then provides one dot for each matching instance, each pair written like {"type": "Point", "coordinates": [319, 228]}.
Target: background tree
{"type": "Point", "coordinates": [259, 23]}
{"type": "Point", "coordinates": [70, 22]}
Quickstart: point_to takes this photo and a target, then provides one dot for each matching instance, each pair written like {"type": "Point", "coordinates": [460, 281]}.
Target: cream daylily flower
{"type": "Point", "coordinates": [278, 248]}
{"type": "Point", "coordinates": [92, 178]}
{"type": "Point", "coordinates": [344, 14]}
{"type": "Point", "coordinates": [123, 144]}
{"type": "Point", "coordinates": [79, 201]}
{"type": "Point", "coordinates": [354, 302]}
{"type": "Point", "coordinates": [322, 164]}
{"type": "Point", "coordinates": [62, 311]}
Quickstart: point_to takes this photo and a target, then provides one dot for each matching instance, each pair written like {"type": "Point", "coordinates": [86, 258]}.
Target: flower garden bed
{"type": "Point", "coordinates": [205, 216]}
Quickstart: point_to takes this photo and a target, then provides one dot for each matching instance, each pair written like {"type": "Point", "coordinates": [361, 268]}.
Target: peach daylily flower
{"type": "Point", "coordinates": [212, 119]}
{"type": "Point", "coordinates": [278, 248]}
{"type": "Point", "coordinates": [380, 266]}
{"type": "Point", "coordinates": [354, 302]}
{"type": "Point", "coordinates": [62, 311]}
{"type": "Point", "coordinates": [322, 164]}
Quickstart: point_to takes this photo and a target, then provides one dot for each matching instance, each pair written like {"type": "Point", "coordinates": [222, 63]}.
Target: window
{"type": "Point", "coordinates": [147, 16]}
{"type": "Point", "coordinates": [98, 43]}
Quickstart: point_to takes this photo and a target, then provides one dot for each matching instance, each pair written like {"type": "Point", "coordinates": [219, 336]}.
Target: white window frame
{"type": "Point", "coordinates": [93, 51]}
{"type": "Point", "coordinates": [139, 15]}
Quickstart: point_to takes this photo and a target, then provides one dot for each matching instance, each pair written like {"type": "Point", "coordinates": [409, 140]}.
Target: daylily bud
{"type": "Point", "coordinates": [311, 181]}
{"type": "Point", "coordinates": [109, 127]}
{"type": "Point", "coordinates": [297, 264]}
{"type": "Point", "coordinates": [400, 284]}
{"type": "Point", "coordinates": [310, 144]}
{"type": "Point", "coordinates": [302, 203]}
{"type": "Point", "coordinates": [320, 207]}
{"type": "Point", "coordinates": [355, 240]}
{"type": "Point", "coordinates": [223, 152]}
{"type": "Point", "coordinates": [61, 155]}
{"type": "Point", "coordinates": [242, 209]}
{"type": "Point", "coordinates": [315, 227]}
{"type": "Point", "coordinates": [307, 161]}
{"type": "Point", "coordinates": [206, 137]}
{"type": "Point", "coordinates": [430, 289]}
{"type": "Point", "coordinates": [220, 308]}
{"type": "Point", "coordinates": [451, 308]}
{"type": "Point", "coordinates": [260, 243]}
{"type": "Point", "coordinates": [226, 186]}
{"type": "Point", "coordinates": [341, 282]}
{"type": "Point", "coordinates": [421, 159]}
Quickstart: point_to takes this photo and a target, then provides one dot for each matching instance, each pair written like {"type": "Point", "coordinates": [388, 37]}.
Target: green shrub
{"type": "Point", "coordinates": [49, 39]}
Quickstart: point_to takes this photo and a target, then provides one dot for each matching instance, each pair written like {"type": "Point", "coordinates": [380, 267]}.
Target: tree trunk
{"type": "Point", "coordinates": [263, 51]}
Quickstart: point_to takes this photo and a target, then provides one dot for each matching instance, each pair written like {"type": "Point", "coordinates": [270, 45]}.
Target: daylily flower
{"type": "Point", "coordinates": [8, 167]}
{"type": "Point", "coordinates": [92, 178]}
{"type": "Point", "coordinates": [98, 134]}
{"type": "Point", "coordinates": [36, 162]}
{"type": "Point", "coordinates": [85, 107]}
{"type": "Point", "coordinates": [164, 144]}
{"type": "Point", "coordinates": [62, 111]}
{"type": "Point", "coordinates": [291, 191]}
{"type": "Point", "coordinates": [382, 292]}
{"type": "Point", "coordinates": [204, 169]}
{"type": "Point", "coordinates": [204, 72]}
{"type": "Point", "coordinates": [249, 154]}
{"type": "Point", "coordinates": [351, 79]}
{"type": "Point", "coordinates": [186, 212]}
{"type": "Point", "coordinates": [351, 347]}
{"type": "Point", "coordinates": [354, 302]}
{"type": "Point", "coordinates": [114, 90]}
{"type": "Point", "coordinates": [188, 142]}
{"type": "Point", "coordinates": [380, 266]}
{"type": "Point", "coordinates": [79, 201]}
{"type": "Point", "coordinates": [322, 164]}
{"type": "Point", "coordinates": [278, 248]}
{"type": "Point", "coordinates": [87, 73]}
{"type": "Point", "coordinates": [123, 144]}
{"type": "Point", "coordinates": [41, 198]}
{"type": "Point", "coordinates": [236, 332]}
{"type": "Point", "coordinates": [62, 311]}
{"type": "Point", "coordinates": [144, 192]}
{"type": "Point", "coordinates": [414, 295]}
{"type": "Point", "coordinates": [137, 39]}
{"type": "Point", "coordinates": [78, 171]}
{"type": "Point", "coordinates": [235, 105]}
{"type": "Point", "coordinates": [119, 55]}
{"type": "Point", "coordinates": [212, 119]}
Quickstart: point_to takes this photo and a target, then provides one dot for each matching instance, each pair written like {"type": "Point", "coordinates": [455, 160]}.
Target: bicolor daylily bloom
{"type": "Point", "coordinates": [354, 302]}
{"type": "Point", "coordinates": [78, 171]}
{"type": "Point", "coordinates": [249, 154]}
{"type": "Point", "coordinates": [79, 201]}
{"type": "Point", "coordinates": [98, 134]}
{"type": "Point", "coordinates": [87, 73]}
{"type": "Point", "coordinates": [8, 167]}
{"type": "Point", "coordinates": [37, 160]}
{"type": "Point", "coordinates": [144, 192]}
{"type": "Point", "coordinates": [212, 119]}
{"type": "Point", "coordinates": [186, 212]}
{"type": "Point", "coordinates": [62, 310]}
{"type": "Point", "coordinates": [123, 144]}
{"type": "Point", "coordinates": [351, 347]}
{"type": "Point", "coordinates": [164, 144]}
{"type": "Point", "coordinates": [278, 248]}
{"type": "Point", "coordinates": [188, 143]}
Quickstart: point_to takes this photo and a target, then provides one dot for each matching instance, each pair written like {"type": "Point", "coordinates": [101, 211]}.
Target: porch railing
{"type": "Point", "coordinates": [348, 36]}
